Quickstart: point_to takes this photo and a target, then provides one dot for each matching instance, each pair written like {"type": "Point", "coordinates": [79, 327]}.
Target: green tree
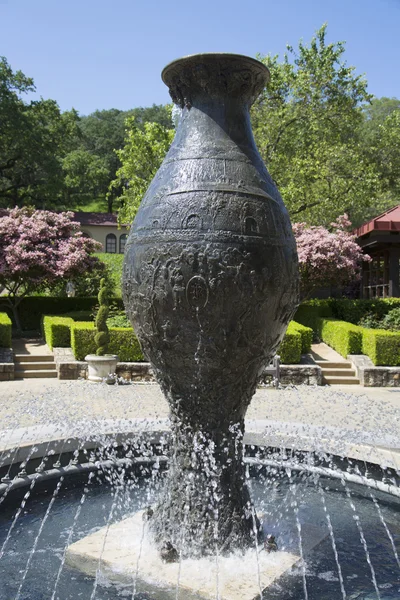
{"type": "Point", "coordinates": [140, 158]}
{"type": "Point", "coordinates": [86, 175]}
{"type": "Point", "coordinates": [33, 136]}
{"type": "Point", "coordinates": [380, 135]}
{"type": "Point", "coordinates": [307, 124]}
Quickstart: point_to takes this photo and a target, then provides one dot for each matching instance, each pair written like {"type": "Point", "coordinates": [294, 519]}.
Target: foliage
{"type": "Point", "coordinates": [327, 257]}
{"type": "Point", "coordinates": [118, 320]}
{"type": "Point", "coordinates": [38, 249]}
{"type": "Point", "coordinates": [102, 336]}
{"type": "Point", "coordinates": [123, 342]}
{"type": "Point", "coordinates": [343, 337]}
{"type": "Point", "coordinates": [291, 345]}
{"type": "Point", "coordinates": [33, 137]}
{"type": "Point", "coordinates": [310, 311]}
{"type": "Point", "coordinates": [114, 263]}
{"type": "Point", "coordinates": [354, 311]}
{"type": "Point", "coordinates": [5, 331]}
{"type": "Point", "coordinates": [382, 347]}
{"type": "Point", "coordinates": [57, 331]}
{"type": "Point", "coordinates": [32, 308]}
{"type": "Point", "coordinates": [391, 321]}
{"type": "Point", "coordinates": [88, 282]}
{"type": "Point", "coordinates": [140, 158]}
{"type": "Point", "coordinates": [306, 336]}
{"type": "Point", "coordinates": [370, 321]}
{"type": "Point", "coordinates": [306, 125]}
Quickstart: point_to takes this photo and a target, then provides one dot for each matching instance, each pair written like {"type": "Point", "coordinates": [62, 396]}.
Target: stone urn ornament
{"type": "Point", "coordinates": [210, 284]}
{"type": "Point", "coordinates": [101, 365]}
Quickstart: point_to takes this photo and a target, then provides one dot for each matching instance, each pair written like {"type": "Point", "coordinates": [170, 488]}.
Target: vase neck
{"type": "Point", "coordinates": [204, 79]}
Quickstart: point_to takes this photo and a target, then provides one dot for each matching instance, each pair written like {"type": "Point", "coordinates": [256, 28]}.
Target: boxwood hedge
{"type": "Point", "coordinates": [123, 342]}
{"type": "Point", "coordinates": [306, 336]}
{"type": "Point", "coordinates": [343, 337]}
{"type": "Point", "coordinates": [290, 348]}
{"type": "Point", "coordinates": [5, 331]}
{"type": "Point", "coordinates": [382, 347]}
{"type": "Point", "coordinates": [57, 331]}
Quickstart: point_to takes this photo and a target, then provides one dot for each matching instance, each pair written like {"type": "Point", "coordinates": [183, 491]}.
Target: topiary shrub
{"type": "Point", "coordinates": [102, 337]}
{"type": "Point", "coordinates": [382, 347]}
{"type": "Point", "coordinates": [306, 336]}
{"type": "Point", "coordinates": [290, 347]}
{"type": "Point", "coordinates": [57, 331]}
{"type": "Point", "coordinates": [343, 337]}
{"type": "Point", "coordinates": [5, 331]}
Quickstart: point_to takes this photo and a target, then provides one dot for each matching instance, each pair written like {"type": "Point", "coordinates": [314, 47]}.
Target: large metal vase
{"type": "Point", "coordinates": [210, 284]}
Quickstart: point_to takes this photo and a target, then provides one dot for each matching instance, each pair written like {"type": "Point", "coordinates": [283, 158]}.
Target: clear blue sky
{"type": "Point", "coordinates": [97, 54]}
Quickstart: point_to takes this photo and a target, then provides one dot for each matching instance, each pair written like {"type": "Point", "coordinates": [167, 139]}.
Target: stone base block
{"type": "Point", "coordinates": [123, 554]}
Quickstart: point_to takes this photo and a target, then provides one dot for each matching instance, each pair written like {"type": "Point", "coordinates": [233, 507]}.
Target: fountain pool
{"type": "Point", "coordinates": [355, 528]}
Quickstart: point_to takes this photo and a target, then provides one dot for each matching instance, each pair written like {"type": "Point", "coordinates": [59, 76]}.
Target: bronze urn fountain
{"type": "Point", "coordinates": [210, 283]}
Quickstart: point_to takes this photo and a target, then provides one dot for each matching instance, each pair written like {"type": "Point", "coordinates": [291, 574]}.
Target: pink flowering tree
{"type": "Point", "coordinates": [327, 257]}
{"type": "Point", "coordinates": [38, 249]}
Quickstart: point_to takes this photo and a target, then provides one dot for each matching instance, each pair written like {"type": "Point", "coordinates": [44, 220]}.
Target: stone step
{"type": "Point", "coordinates": [327, 364]}
{"type": "Point", "coordinates": [338, 372]}
{"type": "Point", "coordinates": [43, 373]}
{"type": "Point", "coordinates": [335, 380]}
{"type": "Point", "coordinates": [38, 366]}
{"type": "Point", "coordinates": [33, 358]}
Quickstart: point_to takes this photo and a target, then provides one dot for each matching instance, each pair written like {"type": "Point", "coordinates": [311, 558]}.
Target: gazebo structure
{"type": "Point", "coordinates": [380, 238]}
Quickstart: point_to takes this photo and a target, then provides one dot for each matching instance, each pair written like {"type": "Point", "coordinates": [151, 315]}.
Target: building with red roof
{"type": "Point", "coordinates": [103, 227]}
{"type": "Point", "coordinates": [380, 238]}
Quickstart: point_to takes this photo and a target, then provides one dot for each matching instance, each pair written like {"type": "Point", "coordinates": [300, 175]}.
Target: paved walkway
{"type": "Point", "coordinates": [324, 352]}
{"type": "Point", "coordinates": [340, 419]}
{"type": "Point", "coordinates": [30, 346]}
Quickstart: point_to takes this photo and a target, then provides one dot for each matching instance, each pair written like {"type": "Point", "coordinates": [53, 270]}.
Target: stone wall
{"type": "Point", "coordinates": [69, 368]}
{"type": "Point", "coordinates": [372, 376]}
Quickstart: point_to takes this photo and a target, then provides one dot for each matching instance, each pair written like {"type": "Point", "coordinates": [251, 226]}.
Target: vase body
{"type": "Point", "coordinates": [210, 283]}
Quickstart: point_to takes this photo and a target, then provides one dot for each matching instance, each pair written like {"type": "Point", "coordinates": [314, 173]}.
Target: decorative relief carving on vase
{"type": "Point", "coordinates": [210, 283]}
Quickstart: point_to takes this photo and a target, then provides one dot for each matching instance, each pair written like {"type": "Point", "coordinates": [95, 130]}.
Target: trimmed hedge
{"type": "Point", "coordinates": [123, 342]}
{"type": "Point", "coordinates": [309, 312]}
{"type": "Point", "coordinates": [5, 331]}
{"type": "Point", "coordinates": [343, 337]}
{"type": "Point", "coordinates": [306, 336]}
{"type": "Point", "coordinates": [33, 308]}
{"type": "Point", "coordinates": [382, 347]}
{"type": "Point", "coordinates": [57, 331]}
{"type": "Point", "coordinates": [290, 348]}
{"type": "Point", "coordinates": [352, 311]}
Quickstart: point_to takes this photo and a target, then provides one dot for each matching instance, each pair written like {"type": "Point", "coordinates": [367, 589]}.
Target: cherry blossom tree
{"type": "Point", "coordinates": [327, 257]}
{"type": "Point", "coordinates": [38, 248]}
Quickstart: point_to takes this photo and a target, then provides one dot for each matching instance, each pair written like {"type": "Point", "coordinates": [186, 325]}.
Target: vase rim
{"type": "Point", "coordinates": [214, 55]}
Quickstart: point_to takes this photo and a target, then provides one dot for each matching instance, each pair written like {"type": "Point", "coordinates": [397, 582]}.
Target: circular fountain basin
{"type": "Point", "coordinates": [346, 536]}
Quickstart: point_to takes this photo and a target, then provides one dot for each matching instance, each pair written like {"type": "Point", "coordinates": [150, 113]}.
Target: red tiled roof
{"type": "Point", "coordinates": [387, 221]}
{"type": "Point", "coordinates": [92, 218]}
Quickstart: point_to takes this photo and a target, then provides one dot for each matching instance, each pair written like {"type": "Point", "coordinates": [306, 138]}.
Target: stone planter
{"type": "Point", "coordinates": [101, 366]}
